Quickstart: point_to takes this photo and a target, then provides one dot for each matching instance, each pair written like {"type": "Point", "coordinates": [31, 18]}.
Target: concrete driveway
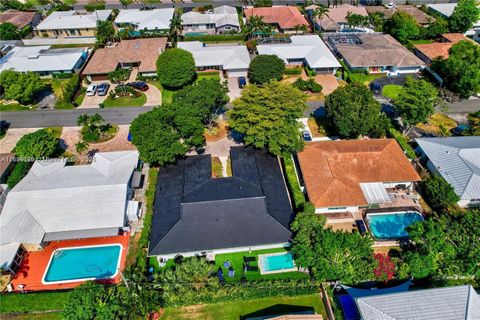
{"type": "Point", "coordinates": [154, 96]}
{"type": "Point", "coordinates": [92, 102]}
{"type": "Point", "coordinates": [234, 91]}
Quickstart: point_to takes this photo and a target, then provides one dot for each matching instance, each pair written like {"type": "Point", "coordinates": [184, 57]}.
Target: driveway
{"type": "Point", "coordinates": [92, 102]}
{"type": "Point", "coordinates": [328, 81]}
{"type": "Point", "coordinates": [234, 91]}
{"type": "Point", "coordinates": [154, 96]}
{"type": "Point", "coordinates": [11, 138]}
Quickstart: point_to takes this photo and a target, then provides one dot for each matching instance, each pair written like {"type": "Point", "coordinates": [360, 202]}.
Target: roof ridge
{"type": "Point", "coordinates": [376, 310]}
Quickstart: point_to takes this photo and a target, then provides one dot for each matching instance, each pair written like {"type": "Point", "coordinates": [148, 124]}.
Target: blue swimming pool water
{"type": "Point", "coordinates": [83, 263]}
{"type": "Point", "coordinates": [278, 262]}
{"type": "Point", "coordinates": [390, 226]}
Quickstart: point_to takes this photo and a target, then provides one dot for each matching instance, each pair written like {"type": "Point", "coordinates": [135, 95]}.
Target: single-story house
{"type": "Point", "coordinates": [223, 19]}
{"type": "Point", "coordinates": [308, 50]}
{"type": "Point", "coordinates": [418, 15]}
{"type": "Point", "coordinates": [375, 53]}
{"type": "Point", "coordinates": [233, 60]}
{"type": "Point", "coordinates": [145, 20]}
{"type": "Point", "coordinates": [21, 19]}
{"type": "Point", "coordinates": [336, 18]}
{"type": "Point", "coordinates": [446, 10]}
{"type": "Point", "coordinates": [74, 23]}
{"type": "Point", "coordinates": [284, 18]}
{"type": "Point", "coordinates": [44, 60]}
{"type": "Point", "coordinates": [428, 52]}
{"type": "Point", "coordinates": [457, 160]}
{"type": "Point", "coordinates": [57, 202]}
{"type": "Point", "coordinates": [343, 176]}
{"type": "Point", "coordinates": [141, 53]}
{"type": "Point", "coordinates": [196, 214]}
{"type": "Point", "coordinates": [452, 303]}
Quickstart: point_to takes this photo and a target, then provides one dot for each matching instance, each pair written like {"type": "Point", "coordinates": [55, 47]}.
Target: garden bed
{"type": "Point", "coordinates": [438, 125]}
{"type": "Point", "coordinates": [391, 91]}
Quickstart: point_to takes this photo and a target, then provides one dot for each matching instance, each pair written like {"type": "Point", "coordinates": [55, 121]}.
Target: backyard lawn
{"type": "Point", "coordinates": [238, 310]}
{"type": "Point", "coordinates": [16, 107]}
{"type": "Point", "coordinates": [391, 91]}
{"type": "Point", "coordinates": [208, 75]}
{"type": "Point", "coordinates": [33, 302]}
{"type": "Point", "coordinates": [236, 260]}
{"type": "Point", "coordinates": [126, 101]}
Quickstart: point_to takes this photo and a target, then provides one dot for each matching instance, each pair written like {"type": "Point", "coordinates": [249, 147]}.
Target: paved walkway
{"type": "Point", "coordinates": [154, 96]}
{"type": "Point", "coordinates": [221, 148]}
{"type": "Point", "coordinates": [11, 138]}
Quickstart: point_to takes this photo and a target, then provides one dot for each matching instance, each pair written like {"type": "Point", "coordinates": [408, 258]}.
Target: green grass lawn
{"type": "Point", "coordinates": [167, 95]}
{"type": "Point", "coordinates": [237, 310]}
{"type": "Point", "coordinates": [79, 99]}
{"type": "Point", "coordinates": [33, 302]}
{"type": "Point", "coordinates": [391, 91]}
{"type": "Point", "coordinates": [236, 259]}
{"type": "Point", "coordinates": [63, 105]}
{"type": "Point", "coordinates": [16, 107]}
{"type": "Point", "coordinates": [207, 76]}
{"type": "Point", "coordinates": [126, 101]}
{"type": "Point", "coordinates": [365, 78]}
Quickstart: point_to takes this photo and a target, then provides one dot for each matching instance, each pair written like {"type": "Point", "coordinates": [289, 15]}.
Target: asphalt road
{"type": "Point", "coordinates": [68, 118]}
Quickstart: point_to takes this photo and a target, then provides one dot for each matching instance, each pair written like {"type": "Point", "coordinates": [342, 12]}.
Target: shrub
{"type": "Point", "coordinates": [293, 71]}
{"type": "Point", "coordinates": [21, 86]}
{"type": "Point", "coordinates": [439, 193]}
{"type": "Point", "coordinates": [71, 88]}
{"type": "Point", "coordinates": [297, 195]}
{"type": "Point", "coordinates": [264, 68]}
{"type": "Point", "coordinates": [119, 75]}
{"type": "Point", "coordinates": [175, 68]}
{"type": "Point", "coordinates": [310, 72]}
{"type": "Point", "coordinates": [307, 85]}
{"type": "Point", "coordinates": [402, 141]}
{"type": "Point", "coordinates": [94, 6]}
{"type": "Point", "coordinates": [36, 145]}
{"type": "Point", "coordinates": [18, 173]}
{"type": "Point", "coordinates": [63, 75]}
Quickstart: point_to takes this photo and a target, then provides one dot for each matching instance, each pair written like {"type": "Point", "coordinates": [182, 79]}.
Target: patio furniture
{"type": "Point", "coordinates": [248, 259]}
{"type": "Point", "coordinates": [231, 272]}
{"type": "Point", "coordinates": [227, 264]}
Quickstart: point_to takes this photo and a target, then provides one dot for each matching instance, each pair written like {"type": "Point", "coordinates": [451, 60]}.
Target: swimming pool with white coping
{"type": "Point", "coordinates": [392, 225]}
{"type": "Point", "coordinates": [276, 263]}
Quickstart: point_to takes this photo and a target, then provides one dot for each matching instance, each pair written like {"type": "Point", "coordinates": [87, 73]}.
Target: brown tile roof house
{"type": "Point", "coordinates": [431, 51]}
{"type": "Point", "coordinates": [286, 17]}
{"type": "Point", "coordinates": [333, 170]}
{"type": "Point", "coordinates": [419, 16]}
{"type": "Point", "coordinates": [338, 16]}
{"type": "Point", "coordinates": [143, 52]}
{"type": "Point", "coordinates": [20, 18]}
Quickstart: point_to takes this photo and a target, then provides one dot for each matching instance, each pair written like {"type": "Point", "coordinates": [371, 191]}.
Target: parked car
{"type": "Point", "coordinates": [376, 87]}
{"type": "Point", "coordinates": [460, 129]}
{"type": "Point", "coordinates": [139, 85]}
{"type": "Point", "coordinates": [103, 89]}
{"type": "Point", "coordinates": [91, 90]}
{"type": "Point", "coordinates": [306, 135]}
{"type": "Point", "coordinates": [242, 82]}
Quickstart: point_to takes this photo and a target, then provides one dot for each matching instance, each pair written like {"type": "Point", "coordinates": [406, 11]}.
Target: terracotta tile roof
{"type": "Point", "coordinates": [18, 18]}
{"type": "Point", "coordinates": [440, 49]}
{"type": "Point", "coordinates": [339, 14]}
{"type": "Point", "coordinates": [286, 17]}
{"type": "Point", "coordinates": [455, 37]}
{"type": "Point", "coordinates": [143, 51]}
{"type": "Point", "coordinates": [419, 16]}
{"type": "Point", "coordinates": [333, 170]}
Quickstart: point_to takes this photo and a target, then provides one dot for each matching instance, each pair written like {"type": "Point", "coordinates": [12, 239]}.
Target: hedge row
{"type": "Point", "coordinates": [402, 141]}
{"type": "Point", "coordinates": [293, 71]}
{"type": "Point", "coordinates": [147, 220]}
{"type": "Point", "coordinates": [217, 37]}
{"type": "Point", "coordinates": [296, 193]}
{"type": "Point", "coordinates": [18, 173]}
{"type": "Point", "coordinates": [90, 7]}
{"type": "Point", "coordinates": [71, 88]}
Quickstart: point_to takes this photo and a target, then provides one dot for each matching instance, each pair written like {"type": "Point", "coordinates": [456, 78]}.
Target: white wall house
{"type": "Point", "coordinates": [223, 19]}
{"type": "Point", "coordinates": [145, 20]}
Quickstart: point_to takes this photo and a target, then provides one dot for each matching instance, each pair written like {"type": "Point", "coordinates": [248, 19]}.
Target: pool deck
{"type": "Point", "coordinates": [34, 265]}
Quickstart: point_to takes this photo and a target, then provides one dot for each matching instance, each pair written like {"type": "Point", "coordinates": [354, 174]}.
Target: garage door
{"type": "Point", "coordinates": [237, 73]}
{"type": "Point", "coordinates": [99, 77]}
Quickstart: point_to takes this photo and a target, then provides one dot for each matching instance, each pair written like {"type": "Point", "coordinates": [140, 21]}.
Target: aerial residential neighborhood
{"type": "Point", "coordinates": [264, 159]}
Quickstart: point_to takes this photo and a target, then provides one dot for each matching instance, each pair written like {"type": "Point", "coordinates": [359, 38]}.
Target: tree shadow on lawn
{"type": "Point", "coordinates": [279, 310]}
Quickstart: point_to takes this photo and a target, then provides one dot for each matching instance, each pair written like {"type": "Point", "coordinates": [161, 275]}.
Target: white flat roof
{"type": "Point", "coordinates": [41, 59]}
{"type": "Point", "coordinates": [229, 57]}
{"type": "Point", "coordinates": [73, 20]}
{"type": "Point", "coordinates": [308, 47]}
{"type": "Point", "coordinates": [146, 19]}
{"type": "Point", "coordinates": [221, 16]}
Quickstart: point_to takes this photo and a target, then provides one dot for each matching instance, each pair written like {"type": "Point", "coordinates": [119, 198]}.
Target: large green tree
{"type": "Point", "coordinates": [175, 68]}
{"type": "Point", "coordinates": [9, 31]}
{"type": "Point", "coordinates": [22, 87]}
{"type": "Point", "coordinates": [264, 68]}
{"type": "Point", "coordinates": [439, 193]}
{"type": "Point", "coordinates": [416, 101]}
{"type": "Point", "coordinates": [465, 14]}
{"type": "Point", "coordinates": [105, 32]}
{"type": "Point", "coordinates": [461, 70]}
{"type": "Point", "coordinates": [36, 145]}
{"type": "Point", "coordinates": [328, 254]}
{"type": "Point", "coordinates": [402, 26]}
{"type": "Point", "coordinates": [353, 111]}
{"type": "Point", "coordinates": [267, 117]}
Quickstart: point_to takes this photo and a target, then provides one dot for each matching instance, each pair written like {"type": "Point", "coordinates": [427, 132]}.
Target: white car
{"type": "Point", "coordinates": [91, 90]}
{"type": "Point", "coordinates": [390, 5]}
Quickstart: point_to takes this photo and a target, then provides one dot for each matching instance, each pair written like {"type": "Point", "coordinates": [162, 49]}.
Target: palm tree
{"type": "Point", "coordinates": [256, 26]}
{"type": "Point", "coordinates": [319, 13]}
{"type": "Point", "coordinates": [300, 28]}
{"type": "Point", "coordinates": [175, 28]}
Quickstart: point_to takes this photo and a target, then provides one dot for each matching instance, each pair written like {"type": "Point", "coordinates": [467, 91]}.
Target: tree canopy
{"type": "Point", "coordinates": [402, 26]}
{"type": "Point", "coordinates": [439, 193]}
{"type": "Point", "coordinates": [461, 70]}
{"type": "Point", "coordinates": [175, 68]}
{"type": "Point", "coordinates": [105, 32]}
{"type": "Point", "coordinates": [264, 68]}
{"type": "Point", "coordinates": [267, 117]}
{"type": "Point", "coordinates": [9, 31]}
{"type": "Point", "coordinates": [465, 14]}
{"type": "Point", "coordinates": [353, 111]}
{"type": "Point", "coordinates": [21, 86]}
{"type": "Point", "coordinates": [36, 145]}
{"type": "Point", "coordinates": [416, 101]}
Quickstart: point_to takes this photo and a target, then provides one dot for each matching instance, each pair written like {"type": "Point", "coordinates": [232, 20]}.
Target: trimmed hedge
{"type": "Point", "coordinates": [402, 141]}
{"type": "Point", "coordinates": [293, 71]}
{"type": "Point", "coordinates": [217, 37]}
{"type": "Point", "coordinates": [18, 173]}
{"type": "Point", "coordinates": [147, 220]}
{"type": "Point", "coordinates": [296, 193]}
{"type": "Point", "coordinates": [94, 6]}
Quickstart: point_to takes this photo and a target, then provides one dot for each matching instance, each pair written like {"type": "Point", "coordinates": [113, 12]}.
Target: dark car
{"type": "Point", "coordinates": [242, 82]}
{"type": "Point", "coordinates": [139, 85]}
{"type": "Point", "coordinates": [102, 89]}
{"type": "Point", "coordinates": [460, 129]}
{"type": "Point", "coordinates": [306, 135]}
{"type": "Point", "coordinates": [376, 87]}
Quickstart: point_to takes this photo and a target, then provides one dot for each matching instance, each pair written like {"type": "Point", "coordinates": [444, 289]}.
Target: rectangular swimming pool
{"type": "Point", "coordinates": [392, 225]}
{"type": "Point", "coordinates": [276, 263]}
{"type": "Point", "coordinates": [83, 263]}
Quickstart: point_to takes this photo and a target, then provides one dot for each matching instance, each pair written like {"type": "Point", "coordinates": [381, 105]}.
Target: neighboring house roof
{"type": "Point", "coordinates": [308, 47]}
{"type": "Point", "coordinates": [440, 49]}
{"type": "Point", "coordinates": [417, 14]}
{"type": "Point", "coordinates": [446, 9]}
{"type": "Point", "coordinates": [194, 212]}
{"type": "Point", "coordinates": [333, 171]}
{"type": "Point", "coordinates": [229, 57]}
{"type": "Point", "coordinates": [452, 303]}
{"type": "Point", "coordinates": [8, 253]}
{"type": "Point", "coordinates": [19, 18]}
{"type": "Point", "coordinates": [457, 159]}
{"type": "Point", "coordinates": [6, 160]}
{"type": "Point", "coordinates": [42, 59]}
{"type": "Point", "coordinates": [143, 51]}
{"type": "Point", "coordinates": [221, 16]}
{"type": "Point", "coordinates": [338, 15]}
{"type": "Point", "coordinates": [146, 19]}
{"type": "Point", "coordinates": [287, 17]}
{"type": "Point", "coordinates": [372, 50]}
{"type": "Point", "coordinates": [73, 20]}
{"type": "Point", "coordinates": [55, 198]}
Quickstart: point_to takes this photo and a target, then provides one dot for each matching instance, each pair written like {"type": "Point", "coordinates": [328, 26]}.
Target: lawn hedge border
{"type": "Point", "coordinates": [298, 198]}
{"type": "Point", "coordinates": [402, 141]}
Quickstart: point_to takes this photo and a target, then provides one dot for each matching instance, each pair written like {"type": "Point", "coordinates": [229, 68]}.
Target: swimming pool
{"type": "Point", "coordinates": [276, 262]}
{"type": "Point", "coordinates": [392, 225]}
{"type": "Point", "coordinates": [83, 263]}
